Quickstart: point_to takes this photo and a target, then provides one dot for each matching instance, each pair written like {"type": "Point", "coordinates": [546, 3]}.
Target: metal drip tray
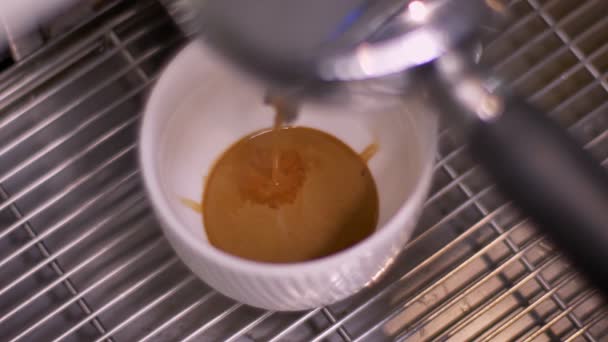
{"type": "Point", "coordinates": [82, 257]}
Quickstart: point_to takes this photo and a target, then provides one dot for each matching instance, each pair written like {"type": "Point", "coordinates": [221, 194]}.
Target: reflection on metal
{"type": "Point", "coordinates": [21, 45]}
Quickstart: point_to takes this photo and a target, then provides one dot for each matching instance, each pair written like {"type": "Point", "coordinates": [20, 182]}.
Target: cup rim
{"type": "Point", "coordinates": [206, 251]}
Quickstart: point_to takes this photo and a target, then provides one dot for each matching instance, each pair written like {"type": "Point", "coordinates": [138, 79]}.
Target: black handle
{"type": "Point", "coordinates": [553, 180]}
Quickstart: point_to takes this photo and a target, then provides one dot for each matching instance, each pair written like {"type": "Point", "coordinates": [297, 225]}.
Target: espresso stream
{"type": "Point", "coordinates": [289, 194]}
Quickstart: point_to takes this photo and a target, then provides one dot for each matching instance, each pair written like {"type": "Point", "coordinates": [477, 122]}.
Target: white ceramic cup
{"type": "Point", "coordinates": [201, 105]}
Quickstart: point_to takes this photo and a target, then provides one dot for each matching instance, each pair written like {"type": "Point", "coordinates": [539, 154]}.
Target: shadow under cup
{"type": "Point", "coordinates": [201, 106]}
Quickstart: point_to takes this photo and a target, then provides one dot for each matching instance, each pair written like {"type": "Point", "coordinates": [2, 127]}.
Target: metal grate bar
{"type": "Point", "coordinates": [474, 285]}
{"type": "Point", "coordinates": [462, 237]}
{"type": "Point", "coordinates": [85, 96]}
{"type": "Point", "coordinates": [593, 29]}
{"type": "Point", "coordinates": [36, 238]}
{"type": "Point", "coordinates": [215, 320]}
{"type": "Point", "coordinates": [104, 11]}
{"type": "Point", "coordinates": [496, 39]}
{"type": "Point", "coordinates": [161, 268]}
{"type": "Point", "coordinates": [150, 247]}
{"type": "Point", "coordinates": [171, 292]}
{"type": "Point", "coordinates": [451, 185]}
{"type": "Point", "coordinates": [345, 335]}
{"type": "Point", "coordinates": [586, 33]}
{"type": "Point", "coordinates": [94, 228]}
{"type": "Point", "coordinates": [69, 161]}
{"type": "Point", "coordinates": [483, 309]}
{"type": "Point", "coordinates": [461, 294]}
{"type": "Point", "coordinates": [595, 141]}
{"type": "Point", "coordinates": [234, 337]}
{"type": "Point", "coordinates": [583, 297]}
{"type": "Point", "coordinates": [446, 158]}
{"type": "Point", "coordinates": [121, 238]}
{"type": "Point", "coordinates": [514, 248]}
{"type": "Point", "coordinates": [127, 55]}
{"type": "Point", "coordinates": [537, 39]}
{"type": "Point", "coordinates": [51, 285]}
{"type": "Point", "coordinates": [59, 224]}
{"type": "Point", "coordinates": [570, 71]}
{"type": "Point", "coordinates": [56, 226]}
{"type": "Point", "coordinates": [583, 91]}
{"type": "Point", "coordinates": [459, 209]}
{"type": "Point", "coordinates": [81, 180]}
{"type": "Point", "coordinates": [594, 113]}
{"type": "Point", "coordinates": [280, 335]}
{"type": "Point", "coordinates": [568, 42]}
{"type": "Point", "coordinates": [74, 53]}
{"type": "Point", "coordinates": [35, 157]}
{"type": "Point", "coordinates": [178, 316]}
{"type": "Point", "coordinates": [61, 64]}
{"type": "Point", "coordinates": [497, 330]}
{"type": "Point", "coordinates": [601, 314]}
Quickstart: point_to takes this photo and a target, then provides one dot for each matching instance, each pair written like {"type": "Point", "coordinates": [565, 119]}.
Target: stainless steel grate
{"type": "Point", "coordinates": [82, 258]}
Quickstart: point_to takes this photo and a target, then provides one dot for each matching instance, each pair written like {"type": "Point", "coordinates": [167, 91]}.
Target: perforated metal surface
{"type": "Point", "coordinates": [82, 257]}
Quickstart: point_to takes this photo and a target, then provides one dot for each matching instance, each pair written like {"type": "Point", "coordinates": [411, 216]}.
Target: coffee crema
{"type": "Point", "coordinates": [289, 194]}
